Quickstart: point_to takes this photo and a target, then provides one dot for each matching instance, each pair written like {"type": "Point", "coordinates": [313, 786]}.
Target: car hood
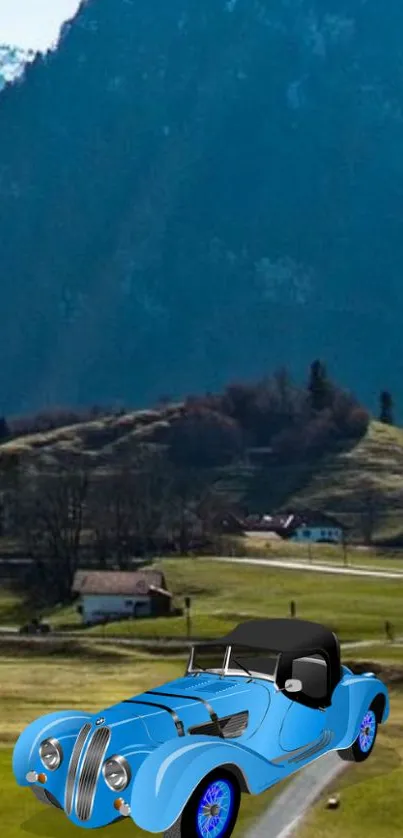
{"type": "Point", "coordinates": [189, 701]}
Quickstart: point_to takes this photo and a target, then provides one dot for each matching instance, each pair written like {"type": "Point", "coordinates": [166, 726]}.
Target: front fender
{"type": "Point", "coordinates": [167, 778]}
{"type": "Point", "coordinates": [362, 691]}
{"type": "Point", "coordinates": [62, 725]}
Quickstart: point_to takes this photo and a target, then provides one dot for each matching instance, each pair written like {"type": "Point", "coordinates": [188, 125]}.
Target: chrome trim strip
{"type": "Point", "coordinates": [296, 751]}
{"type": "Point", "coordinates": [73, 766]}
{"type": "Point", "coordinates": [311, 748]}
{"type": "Point", "coordinates": [177, 721]}
{"type": "Point", "coordinates": [209, 708]}
{"type": "Point", "coordinates": [326, 740]}
{"type": "Point", "coordinates": [90, 771]}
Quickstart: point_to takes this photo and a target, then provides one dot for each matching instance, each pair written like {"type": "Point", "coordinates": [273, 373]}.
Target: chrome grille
{"type": "Point", "coordinates": [90, 771]}
{"type": "Point", "coordinates": [73, 765]}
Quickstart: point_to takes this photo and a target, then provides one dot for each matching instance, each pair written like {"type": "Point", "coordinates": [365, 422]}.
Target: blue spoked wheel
{"type": "Point", "coordinates": [212, 809]}
{"type": "Point", "coordinates": [215, 809]}
{"type": "Point", "coordinates": [363, 745]}
{"type": "Point", "coordinates": [367, 731]}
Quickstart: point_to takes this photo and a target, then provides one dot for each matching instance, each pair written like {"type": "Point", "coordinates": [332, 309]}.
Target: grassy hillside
{"type": "Point", "coordinates": [223, 594]}
{"type": "Point", "coordinates": [362, 480]}
{"type": "Point", "coordinates": [346, 482]}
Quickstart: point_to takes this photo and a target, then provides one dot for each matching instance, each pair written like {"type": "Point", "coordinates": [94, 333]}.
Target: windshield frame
{"type": "Point", "coordinates": [224, 670]}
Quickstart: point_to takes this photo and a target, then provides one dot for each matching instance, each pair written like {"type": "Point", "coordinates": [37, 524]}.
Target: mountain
{"type": "Point", "coordinates": [12, 63]}
{"type": "Point", "coordinates": [192, 192]}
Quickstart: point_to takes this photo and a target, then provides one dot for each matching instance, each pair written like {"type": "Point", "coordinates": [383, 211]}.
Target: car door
{"type": "Point", "coordinates": [305, 723]}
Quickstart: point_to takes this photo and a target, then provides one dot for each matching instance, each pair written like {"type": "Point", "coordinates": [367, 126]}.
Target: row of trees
{"type": "Point", "coordinates": [293, 421]}
{"type": "Point", "coordinates": [60, 509]}
{"type": "Point", "coordinates": [261, 411]}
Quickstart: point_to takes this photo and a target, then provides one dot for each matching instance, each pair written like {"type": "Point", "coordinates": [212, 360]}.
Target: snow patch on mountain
{"type": "Point", "coordinates": [12, 63]}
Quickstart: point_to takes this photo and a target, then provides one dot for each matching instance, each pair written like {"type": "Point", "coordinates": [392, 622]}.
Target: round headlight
{"type": "Point", "coordinates": [51, 754]}
{"type": "Point", "coordinates": [117, 774]}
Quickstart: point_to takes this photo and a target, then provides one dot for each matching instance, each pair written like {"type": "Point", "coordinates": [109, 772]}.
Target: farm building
{"type": "Point", "coordinates": [113, 595]}
{"type": "Point", "coordinates": [305, 527]}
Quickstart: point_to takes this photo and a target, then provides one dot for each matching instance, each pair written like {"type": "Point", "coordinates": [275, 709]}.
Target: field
{"type": "Point", "coordinates": [372, 558]}
{"type": "Point", "coordinates": [30, 687]}
{"type": "Point", "coordinates": [223, 594]}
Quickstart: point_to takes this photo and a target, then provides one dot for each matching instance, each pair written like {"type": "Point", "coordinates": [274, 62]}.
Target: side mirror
{"type": "Point", "coordinates": [293, 685]}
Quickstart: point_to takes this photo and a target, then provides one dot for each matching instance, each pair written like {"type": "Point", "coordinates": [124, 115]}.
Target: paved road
{"type": "Point", "coordinates": [173, 644]}
{"type": "Point", "coordinates": [284, 815]}
{"type": "Point", "coordinates": [297, 564]}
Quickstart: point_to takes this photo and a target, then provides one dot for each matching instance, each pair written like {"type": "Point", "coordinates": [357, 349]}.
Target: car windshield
{"type": "Point", "coordinates": [256, 662]}
{"type": "Point", "coordinates": [242, 661]}
{"type": "Point", "coordinates": [209, 658]}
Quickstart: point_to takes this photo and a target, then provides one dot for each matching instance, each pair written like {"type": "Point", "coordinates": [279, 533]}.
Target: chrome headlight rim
{"type": "Point", "coordinates": [51, 763]}
{"type": "Point", "coordinates": [122, 770]}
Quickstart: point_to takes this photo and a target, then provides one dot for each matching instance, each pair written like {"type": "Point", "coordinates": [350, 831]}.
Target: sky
{"type": "Point", "coordinates": [34, 24]}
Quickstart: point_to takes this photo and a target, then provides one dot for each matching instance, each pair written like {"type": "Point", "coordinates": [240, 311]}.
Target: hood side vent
{"type": "Point", "coordinates": [231, 726]}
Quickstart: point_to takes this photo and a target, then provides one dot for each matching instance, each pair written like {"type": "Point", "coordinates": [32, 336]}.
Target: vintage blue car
{"type": "Point", "coordinates": [253, 707]}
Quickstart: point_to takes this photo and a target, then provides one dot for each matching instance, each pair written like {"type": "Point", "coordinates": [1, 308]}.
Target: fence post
{"type": "Point", "coordinates": [188, 602]}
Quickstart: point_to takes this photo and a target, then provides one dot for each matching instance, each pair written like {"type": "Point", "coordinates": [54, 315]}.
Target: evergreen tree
{"type": "Point", "coordinates": [319, 386]}
{"type": "Point", "coordinates": [386, 408]}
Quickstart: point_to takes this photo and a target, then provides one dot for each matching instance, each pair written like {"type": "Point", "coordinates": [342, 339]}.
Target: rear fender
{"type": "Point", "coordinates": [63, 726]}
{"type": "Point", "coordinates": [167, 778]}
{"type": "Point", "coordinates": [362, 692]}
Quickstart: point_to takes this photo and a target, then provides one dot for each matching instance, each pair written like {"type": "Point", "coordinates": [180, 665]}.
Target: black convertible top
{"type": "Point", "coordinates": [283, 635]}
{"type": "Point", "coordinates": [289, 638]}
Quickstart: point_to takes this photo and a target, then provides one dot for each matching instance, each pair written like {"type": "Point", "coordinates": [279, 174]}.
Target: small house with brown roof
{"type": "Point", "coordinates": [114, 595]}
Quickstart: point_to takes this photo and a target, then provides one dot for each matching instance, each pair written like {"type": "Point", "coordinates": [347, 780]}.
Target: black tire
{"type": "Point", "coordinates": [186, 825]}
{"type": "Point", "coordinates": [363, 746]}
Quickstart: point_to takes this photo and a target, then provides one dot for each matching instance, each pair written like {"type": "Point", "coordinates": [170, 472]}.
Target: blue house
{"type": "Point", "coordinates": [304, 527]}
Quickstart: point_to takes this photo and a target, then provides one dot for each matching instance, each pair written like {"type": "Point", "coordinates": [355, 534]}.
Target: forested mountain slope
{"type": "Point", "coordinates": [196, 191]}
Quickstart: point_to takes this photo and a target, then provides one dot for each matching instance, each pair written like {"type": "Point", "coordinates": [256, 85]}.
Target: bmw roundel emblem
{"type": "Point", "coordinates": [100, 721]}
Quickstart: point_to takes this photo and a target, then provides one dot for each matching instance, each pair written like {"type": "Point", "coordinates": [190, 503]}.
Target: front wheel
{"type": "Point", "coordinates": [211, 811]}
{"type": "Point", "coordinates": [363, 745]}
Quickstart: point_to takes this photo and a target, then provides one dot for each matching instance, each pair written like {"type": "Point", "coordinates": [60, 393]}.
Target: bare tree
{"type": "Point", "coordinates": [188, 488]}
{"type": "Point", "coordinates": [51, 519]}
{"type": "Point", "coordinates": [128, 505]}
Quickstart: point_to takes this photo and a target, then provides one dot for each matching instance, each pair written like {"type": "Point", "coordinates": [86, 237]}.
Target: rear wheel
{"type": "Point", "coordinates": [363, 745]}
{"type": "Point", "coordinates": [211, 811]}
